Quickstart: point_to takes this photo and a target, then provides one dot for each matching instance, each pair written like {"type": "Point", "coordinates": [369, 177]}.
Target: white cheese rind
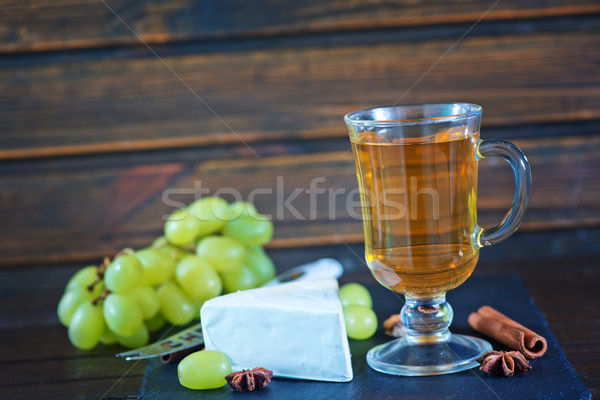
{"type": "Point", "coordinates": [296, 330]}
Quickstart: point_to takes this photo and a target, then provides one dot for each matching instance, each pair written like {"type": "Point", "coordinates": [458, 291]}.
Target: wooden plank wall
{"type": "Point", "coordinates": [109, 107]}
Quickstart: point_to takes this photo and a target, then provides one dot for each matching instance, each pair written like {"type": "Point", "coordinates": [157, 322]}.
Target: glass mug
{"type": "Point", "coordinates": [417, 174]}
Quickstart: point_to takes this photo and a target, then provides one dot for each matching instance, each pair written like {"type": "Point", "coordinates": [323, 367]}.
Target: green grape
{"type": "Point", "coordinates": [176, 253]}
{"type": "Point", "coordinates": [211, 212]}
{"type": "Point", "coordinates": [249, 231]}
{"type": "Point", "coordinates": [70, 301]}
{"type": "Point", "coordinates": [123, 274]}
{"type": "Point", "coordinates": [361, 322]}
{"type": "Point", "coordinates": [174, 305]}
{"type": "Point", "coordinates": [240, 278]}
{"type": "Point", "coordinates": [261, 265]}
{"type": "Point", "coordinates": [138, 339]}
{"type": "Point", "coordinates": [155, 323]}
{"type": "Point", "coordinates": [162, 244]}
{"type": "Point", "coordinates": [108, 337]}
{"type": "Point", "coordinates": [122, 315]}
{"type": "Point", "coordinates": [87, 326]}
{"type": "Point", "coordinates": [223, 253]}
{"type": "Point", "coordinates": [158, 265]}
{"type": "Point", "coordinates": [146, 299]}
{"type": "Point", "coordinates": [159, 242]}
{"type": "Point", "coordinates": [182, 228]}
{"type": "Point", "coordinates": [84, 278]}
{"type": "Point", "coordinates": [355, 294]}
{"type": "Point", "coordinates": [197, 307]}
{"type": "Point", "coordinates": [243, 209]}
{"type": "Point", "coordinates": [198, 279]}
{"type": "Point", "coordinates": [204, 369]}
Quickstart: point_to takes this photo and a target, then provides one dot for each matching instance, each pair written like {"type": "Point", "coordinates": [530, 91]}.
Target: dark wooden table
{"type": "Point", "coordinates": [108, 106]}
{"type": "Point", "coordinates": [38, 361]}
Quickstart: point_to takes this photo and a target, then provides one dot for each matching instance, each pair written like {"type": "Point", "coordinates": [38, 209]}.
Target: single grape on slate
{"type": "Point", "coordinates": [204, 369]}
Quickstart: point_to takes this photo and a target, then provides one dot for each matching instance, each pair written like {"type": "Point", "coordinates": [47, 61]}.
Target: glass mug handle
{"type": "Point", "coordinates": [522, 175]}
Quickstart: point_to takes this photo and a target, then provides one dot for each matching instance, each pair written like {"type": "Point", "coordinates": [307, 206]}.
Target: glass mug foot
{"type": "Point", "coordinates": [402, 357]}
{"type": "Point", "coordinates": [428, 347]}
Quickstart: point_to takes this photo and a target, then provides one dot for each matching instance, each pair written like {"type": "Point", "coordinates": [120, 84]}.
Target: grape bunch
{"type": "Point", "coordinates": [209, 248]}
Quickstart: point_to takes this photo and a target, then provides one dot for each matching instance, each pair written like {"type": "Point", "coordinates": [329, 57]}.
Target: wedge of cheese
{"type": "Point", "coordinates": [295, 329]}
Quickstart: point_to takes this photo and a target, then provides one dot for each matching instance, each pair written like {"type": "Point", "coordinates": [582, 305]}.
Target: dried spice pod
{"type": "Point", "coordinates": [505, 363]}
{"type": "Point", "coordinates": [249, 379]}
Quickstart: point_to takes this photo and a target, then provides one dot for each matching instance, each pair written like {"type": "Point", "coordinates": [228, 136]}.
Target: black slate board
{"type": "Point", "coordinates": [552, 377]}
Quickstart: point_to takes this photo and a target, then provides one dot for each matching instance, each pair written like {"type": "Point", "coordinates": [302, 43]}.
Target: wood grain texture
{"type": "Point", "coordinates": [60, 370]}
{"type": "Point", "coordinates": [77, 211]}
{"type": "Point", "coordinates": [67, 24]}
{"type": "Point", "coordinates": [106, 387]}
{"type": "Point", "coordinates": [97, 135]}
{"type": "Point", "coordinates": [552, 204]}
{"type": "Point", "coordinates": [279, 94]}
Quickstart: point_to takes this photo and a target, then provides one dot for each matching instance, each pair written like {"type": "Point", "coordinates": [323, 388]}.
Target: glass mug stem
{"type": "Point", "coordinates": [427, 320]}
{"type": "Point", "coordinates": [522, 175]}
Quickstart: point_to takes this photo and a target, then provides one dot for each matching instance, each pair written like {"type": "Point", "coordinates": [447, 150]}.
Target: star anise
{"type": "Point", "coordinates": [249, 379]}
{"type": "Point", "coordinates": [505, 363]}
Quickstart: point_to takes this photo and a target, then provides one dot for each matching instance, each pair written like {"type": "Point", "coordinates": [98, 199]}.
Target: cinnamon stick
{"type": "Point", "coordinates": [508, 332]}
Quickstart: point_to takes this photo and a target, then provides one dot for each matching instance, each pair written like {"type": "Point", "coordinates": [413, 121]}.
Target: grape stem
{"type": "Point", "coordinates": [91, 286]}
{"type": "Point", "coordinates": [103, 266]}
{"type": "Point", "coordinates": [100, 274]}
{"type": "Point", "coordinates": [102, 296]}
